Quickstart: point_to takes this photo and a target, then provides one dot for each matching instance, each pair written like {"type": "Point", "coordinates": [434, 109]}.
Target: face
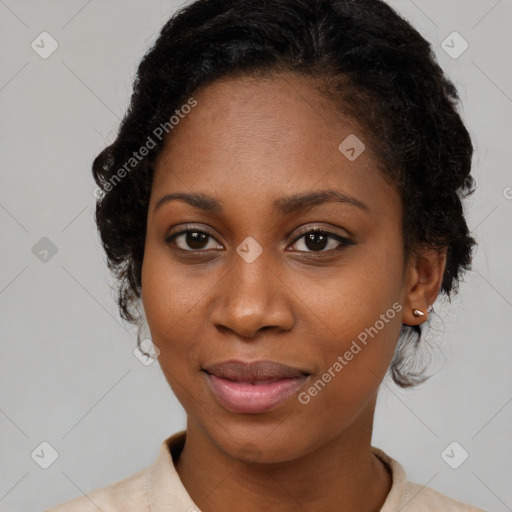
{"type": "Point", "coordinates": [240, 276]}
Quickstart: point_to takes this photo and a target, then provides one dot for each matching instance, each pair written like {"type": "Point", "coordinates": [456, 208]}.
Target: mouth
{"type": "Point", "coordinates": [254, 387]}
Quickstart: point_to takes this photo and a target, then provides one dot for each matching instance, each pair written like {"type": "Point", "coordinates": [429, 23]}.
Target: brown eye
{"type": "Point", "coordinates": [191, 240]}
{"type": "Point", "coordinates": [317, 240]}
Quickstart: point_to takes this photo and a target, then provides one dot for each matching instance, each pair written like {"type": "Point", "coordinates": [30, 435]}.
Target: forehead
{"type": "Point", "coordinates": [265, 138]}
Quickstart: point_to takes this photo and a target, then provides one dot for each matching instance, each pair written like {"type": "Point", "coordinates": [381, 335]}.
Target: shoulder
{"type": "Point", "coordinates": [418, 498]}
{"type": "Point", "coordinates": [407, 496]}
{"type": "Point", "coordinates": [156, 487]}
{"type": "Point", "coordinates": [128, 494]}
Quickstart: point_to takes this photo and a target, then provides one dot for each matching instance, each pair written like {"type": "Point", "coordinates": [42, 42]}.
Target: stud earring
{"type": "Point", "coordinates": [418, 312]}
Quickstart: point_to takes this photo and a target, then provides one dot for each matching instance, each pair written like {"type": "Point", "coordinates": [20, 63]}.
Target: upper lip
{"type": "Point", "coordinates": [253, 371]}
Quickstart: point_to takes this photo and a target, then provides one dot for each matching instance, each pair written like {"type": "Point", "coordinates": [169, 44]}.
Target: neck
{"type": "Point", "coordinates": [217, 482]}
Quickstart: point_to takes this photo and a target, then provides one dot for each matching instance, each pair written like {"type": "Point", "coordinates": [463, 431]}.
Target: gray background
{"type": "Point", "coordinates": [68, 375]}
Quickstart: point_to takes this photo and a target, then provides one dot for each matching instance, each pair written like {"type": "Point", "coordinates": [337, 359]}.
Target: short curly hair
{"type": "Point", "coordinates": [373, 65]}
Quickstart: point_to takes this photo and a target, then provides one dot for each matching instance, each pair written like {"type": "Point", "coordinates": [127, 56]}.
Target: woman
{"type": "Point", "coordinates": [283, 198]}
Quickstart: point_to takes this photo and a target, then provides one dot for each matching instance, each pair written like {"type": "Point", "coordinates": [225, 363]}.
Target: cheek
{"type": "Point", "coordinates": [358, 316]}
{"type": "Point", "coordinates": [354, 354]}
{"type": "Point", "coordinates": [169, 304]}
{"type": "Point", "coordinates": [352, 296]}
{"type": "Point", "coordinates": [169, 299]}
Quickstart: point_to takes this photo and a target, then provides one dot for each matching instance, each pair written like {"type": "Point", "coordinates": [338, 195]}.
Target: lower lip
{"type": "Point", "coordinates": [245, 397]}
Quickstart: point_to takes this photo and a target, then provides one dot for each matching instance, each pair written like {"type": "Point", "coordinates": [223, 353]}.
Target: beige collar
{"type": "Point", "coordinates": [167, 492]}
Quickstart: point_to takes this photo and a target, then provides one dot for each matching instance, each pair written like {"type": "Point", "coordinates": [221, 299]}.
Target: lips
{"type": "Point", "coordinates": [253, 387]}
{"type": "Point", "coordinates": [254, 371]}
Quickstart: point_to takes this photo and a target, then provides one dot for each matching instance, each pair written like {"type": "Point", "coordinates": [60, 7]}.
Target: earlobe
{"type": "Point", "coordinates": [426, 278]}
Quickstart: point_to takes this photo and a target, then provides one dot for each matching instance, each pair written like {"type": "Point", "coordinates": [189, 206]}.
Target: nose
{"type": "Point", "coordinates": [252, 297]}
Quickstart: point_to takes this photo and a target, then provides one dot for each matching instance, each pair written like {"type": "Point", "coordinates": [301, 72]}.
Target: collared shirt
{"type": "Point", "coordinates": [158, 488]}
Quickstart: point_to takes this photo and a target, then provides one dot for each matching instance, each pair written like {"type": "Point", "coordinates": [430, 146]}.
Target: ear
{"type": "Point", "coordinates": [423, 281]}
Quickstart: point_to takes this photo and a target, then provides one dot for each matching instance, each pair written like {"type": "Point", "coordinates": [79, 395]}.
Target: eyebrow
{"type": "Point", "coordinates": [284, 205]}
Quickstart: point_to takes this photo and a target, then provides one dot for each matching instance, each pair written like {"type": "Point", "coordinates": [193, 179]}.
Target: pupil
{"type": "Point", "coordinates": [196, 240]}
{"type": "Point", "coordinates": [315, 241]}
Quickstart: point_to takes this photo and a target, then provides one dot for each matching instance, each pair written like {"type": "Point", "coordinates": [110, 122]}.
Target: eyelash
{"type": "Point", "coordinates": [344, 242]}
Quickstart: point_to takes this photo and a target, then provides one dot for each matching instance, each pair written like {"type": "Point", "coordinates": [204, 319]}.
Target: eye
{"type": "Point", "coordinates": [194, 238]}
{"type": "Point", "coordinates": [316, 240]}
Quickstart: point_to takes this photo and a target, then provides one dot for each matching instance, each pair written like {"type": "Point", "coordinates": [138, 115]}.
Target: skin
{"type": "Point", "coordinates": [247, 143]}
